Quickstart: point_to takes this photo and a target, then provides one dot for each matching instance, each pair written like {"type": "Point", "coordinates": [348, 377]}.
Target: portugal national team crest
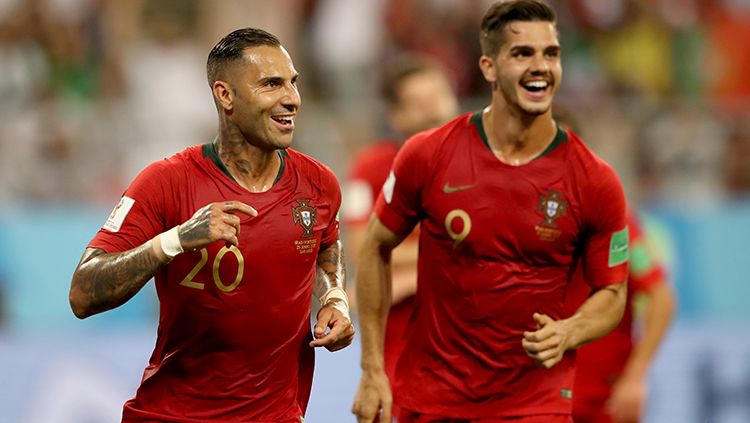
{"type": "Point", "coordinates": [552, 205]}
{"type": "Point", "coordinates": [306, 216]}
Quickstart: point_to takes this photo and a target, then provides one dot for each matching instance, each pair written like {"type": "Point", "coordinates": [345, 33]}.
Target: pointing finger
{"type": "Point", "coordinates": [238, 206]}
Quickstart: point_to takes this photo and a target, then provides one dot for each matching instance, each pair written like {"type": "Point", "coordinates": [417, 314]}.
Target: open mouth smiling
{"type": "Point", "coordinates": [284, 121]}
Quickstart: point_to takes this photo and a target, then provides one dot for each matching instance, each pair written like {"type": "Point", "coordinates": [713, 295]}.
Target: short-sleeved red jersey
{"type": "Point", "coordinates": [367, 174]}
{"type": "Point", "coordinates": [498, 243]}
{"type": "Point", "coordinates": [600, 363]}
{"type": "Point", "coordinates": [234, 323]}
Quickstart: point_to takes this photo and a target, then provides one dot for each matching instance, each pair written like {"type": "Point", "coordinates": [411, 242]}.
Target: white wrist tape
{"type": "Point", "coordinates": [170, 242]}
{"type": "Point", "coordinates": [339, 294]}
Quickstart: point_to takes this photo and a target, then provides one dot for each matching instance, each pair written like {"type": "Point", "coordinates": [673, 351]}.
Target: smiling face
{"type": "Point", "coordinates": [261, 97]}
{"type": "Point", "coordinates": [526, 72]}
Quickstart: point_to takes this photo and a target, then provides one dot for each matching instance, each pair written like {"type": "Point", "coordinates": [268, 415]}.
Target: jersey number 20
{"type": "Point", "coordinates": [190, 283]}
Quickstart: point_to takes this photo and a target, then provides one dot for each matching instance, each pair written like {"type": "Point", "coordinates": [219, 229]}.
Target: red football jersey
{"type": "Point", "coordinates": [369, 170]}
{"type": "Point", "coordinates": [234, 324]}
{"type": "Point", "coordinates": [366, 176]}
{"type": "Point", "coordinates": [497, 244]}
{"type": "Point", "coordinates": [600, 363]}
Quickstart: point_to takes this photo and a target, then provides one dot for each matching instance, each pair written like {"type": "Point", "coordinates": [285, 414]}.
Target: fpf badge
{"type": "Point", "coordinates": [306, 216]}
{"type": "Point", "coordinates": [552, 206]}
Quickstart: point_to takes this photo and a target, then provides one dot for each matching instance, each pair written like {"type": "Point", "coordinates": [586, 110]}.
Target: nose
{"type": "Point", "coordinates": [539, 64]}
{"type": "Point", "coordinates": [291, 98]}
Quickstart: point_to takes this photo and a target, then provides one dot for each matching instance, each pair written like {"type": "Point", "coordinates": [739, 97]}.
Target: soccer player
{"type": "Point", "coordinates": [238, 233]}
{"type": "Point", "coordinates": [508, 204]}
{"type": "Point", "coordinates": [610, 382]}
{"type": "Point", "coordinates": [419, 96]}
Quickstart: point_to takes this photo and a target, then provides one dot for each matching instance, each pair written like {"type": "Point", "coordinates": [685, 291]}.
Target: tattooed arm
{"type": "Point", "coordinates": [104, 281]}
{"type": "Point", "coordinates": [331, 270]}
{"type": "Point", "coordinates": [331, 273]}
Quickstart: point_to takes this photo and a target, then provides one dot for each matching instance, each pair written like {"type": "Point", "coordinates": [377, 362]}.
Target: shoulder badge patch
{"type": "Point", "coordinates": [121, 210]}
{"type": "Point", "coordinates": [388, 186]}
{"type": "Point", "coordinates": [306, 216]}
{"type": "Point", "coordinates": [618, 247]}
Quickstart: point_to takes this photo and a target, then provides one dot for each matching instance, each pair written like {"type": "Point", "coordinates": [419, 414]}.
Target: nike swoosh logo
{"type": "Point", "coordinates": [449, 189]}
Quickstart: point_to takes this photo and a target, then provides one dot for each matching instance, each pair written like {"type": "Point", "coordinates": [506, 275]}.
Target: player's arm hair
{"type": "Point", "coordinates": [331, 271]}
{"type": "Point", "coordinates": [374, 288]}
{"type": "Point", "coordinates": [599, 314]}
{"type": "Point", "coordinates": [104, 281]}
{"type": "Point", "coordinates": [403, 263]}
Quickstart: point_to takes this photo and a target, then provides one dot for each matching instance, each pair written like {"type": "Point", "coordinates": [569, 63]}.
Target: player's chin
{"type": "Point", "coordinates": [282, 141]}
{"type": "Point", "coordinates": [535, 105]}
{"type": "Point", "coordinates": [536, 109]}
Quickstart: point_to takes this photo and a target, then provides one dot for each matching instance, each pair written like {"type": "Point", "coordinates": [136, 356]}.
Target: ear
{"type": "Point", "coordinates": [223, 95]}
{"type": "Point", "coordinates": [489, 70]}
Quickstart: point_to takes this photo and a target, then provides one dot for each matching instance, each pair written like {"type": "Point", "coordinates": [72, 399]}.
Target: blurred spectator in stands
{"type": "Point", "coordinates": [682, 150]}
{"type": "Point", "coordinates": [738, 157]}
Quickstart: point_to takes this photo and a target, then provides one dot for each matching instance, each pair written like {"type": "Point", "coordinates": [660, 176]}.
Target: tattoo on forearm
{"type": "Point", "coordinates": [331, 271]}
{"type": "Point", "coordinates": [109, 280]}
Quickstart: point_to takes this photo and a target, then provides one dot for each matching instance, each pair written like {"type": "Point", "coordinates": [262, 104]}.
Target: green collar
{"type": "Point", "coordinates": [560, 137]}
{"type": "Point", "coordinates": [209, 150]}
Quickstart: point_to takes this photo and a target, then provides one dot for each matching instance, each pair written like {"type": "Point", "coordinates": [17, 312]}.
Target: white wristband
{"type": "Point", "coordinates": [339, 294]}
{"type": "Point", "coordinates": [170, 242]}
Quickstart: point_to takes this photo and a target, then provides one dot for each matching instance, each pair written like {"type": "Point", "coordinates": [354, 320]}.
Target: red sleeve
{"type": "Point", "coordinates": [333, 193]}
{"type": "Point", "coordinates": [140, 214]}
{"type": "Point", "coordinates": [605, 256]}
{"type": "Point", "coordinates": [399, 203]}
{"type": "Point", "coordinates": [369, 170]}
{"type": "Point", "coordinates": [362, 186]}
{"type": "Point", "coordinates": [645, 271]}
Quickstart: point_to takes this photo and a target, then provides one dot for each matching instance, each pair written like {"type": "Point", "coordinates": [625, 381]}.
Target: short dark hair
{"type": "Point", "coordinates": [500, 14]}
{"type": "Point", "coordinates": [232, 47]}
{"type": "Point", "coordinates": [402, 68]}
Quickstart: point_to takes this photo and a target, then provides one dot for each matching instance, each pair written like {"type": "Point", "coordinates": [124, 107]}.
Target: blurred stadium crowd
{"type": "Point", "coordinates": [93, 90]}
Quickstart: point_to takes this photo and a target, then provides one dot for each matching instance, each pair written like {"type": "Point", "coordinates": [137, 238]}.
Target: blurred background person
{"type": "Point", "coordinates": [611, 373]}
{"type": "Point", "coordinates": [418, 95]}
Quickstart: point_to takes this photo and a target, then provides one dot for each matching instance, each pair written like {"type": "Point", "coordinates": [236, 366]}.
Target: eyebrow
{"type": "Point", "coordinates": [526, 47]}
{"type": "Point", "coordinates": [278, 79]}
